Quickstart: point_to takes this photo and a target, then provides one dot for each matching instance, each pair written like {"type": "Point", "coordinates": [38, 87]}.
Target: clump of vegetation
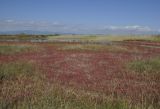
{"type": "Point", "coordinates": [13, 49]}
{"type": "Point", "coordinates": [14, 69]}
{"type": "Point", "coordinates": [149, 66]}
{"type": "Point", "coordinates": [22, 37]}
{"type": "Point", "coordinates": [155, 38]}
{"type": "Point", "coordinates": [19, 82]}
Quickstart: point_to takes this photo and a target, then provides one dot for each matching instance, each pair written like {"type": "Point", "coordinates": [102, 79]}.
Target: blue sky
{"type": "Point", "coordinates": [81, 16]}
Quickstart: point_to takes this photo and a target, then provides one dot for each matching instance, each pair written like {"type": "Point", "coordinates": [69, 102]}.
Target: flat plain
{"type": "Point", "coordinates": [80, 72]}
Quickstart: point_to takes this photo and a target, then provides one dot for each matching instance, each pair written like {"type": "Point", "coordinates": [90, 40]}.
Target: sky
{"type": "Point", "coordinates": [81, 16]}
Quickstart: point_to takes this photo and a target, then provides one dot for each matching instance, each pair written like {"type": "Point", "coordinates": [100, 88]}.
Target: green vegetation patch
{"type": "Point", "coordinates": [13, 49]}
{"type": "Point", "coordinates": [19, 83]}
{"type": "Point", "coordinates": [14, 69]}
{"type": "Point", "coordinates": [155, 38]}
{"type": "Point", "coordinates": [70, 99]}
{"type": "Point", "coordinates": [99, 38]}
{"type": "Point", "coordinates": [149, 66]}
{"type": "Point", "coordinates": [22, 37]}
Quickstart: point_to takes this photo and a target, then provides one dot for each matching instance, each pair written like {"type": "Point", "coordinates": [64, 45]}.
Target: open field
{"type": "Point", "coordinates": [154, 38]}
{"type": "Point", "coordinates": [72, 75]}
{"type": "Point", "coordinates": [89, 38]}
{"type": "Point", "coordinates": [22, 37]}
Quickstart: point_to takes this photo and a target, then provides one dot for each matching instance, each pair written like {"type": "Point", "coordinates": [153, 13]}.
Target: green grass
{"type": "Point", "coordinates": [155, 38]}
{"type": "Point", "coordinates": [90, 38]}
{"type": "Point", "coordinates": [13, 49]}
{"type": "Point", "coordinates": [25, 87]}
{"type": "Point", "coordinates": [19, 81]}
{"type": "Point", "coordinates": [149, 66]}
{"type": "Point", "coordinates": [14, 69]}
{"type": "Point", "coordinates": [22, 37]}
{"type": "Point", "coordinates": [22, 86]}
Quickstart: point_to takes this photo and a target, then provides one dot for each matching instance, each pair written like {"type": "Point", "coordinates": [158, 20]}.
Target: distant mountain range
{"type": "Point", "coordinates": [118, 32]}
{"type": "Point", "coordinates": [31, 32]}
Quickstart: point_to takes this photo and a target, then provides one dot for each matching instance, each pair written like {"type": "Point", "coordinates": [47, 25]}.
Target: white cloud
{"type": "Point", "coordinates": [112, 27]}
{"type": "Point", "coordinates": [9, 21]}
{"type": "Point", "coordinates": [11, 25]}
{"type": "Point", "coordinates": [129, 28]}
{"type": "Point", "coordinates": [7, 25]}
{"type": "Point", "coordinates": [138, 28]}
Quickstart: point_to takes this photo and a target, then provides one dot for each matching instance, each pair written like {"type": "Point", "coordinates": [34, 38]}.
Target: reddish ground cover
{"type": "Point", "coordinates": [102, 71]}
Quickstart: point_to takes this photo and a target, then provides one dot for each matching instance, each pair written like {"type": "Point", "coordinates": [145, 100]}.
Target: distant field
{"type": "Point", "coordinates": [22, 37]}
{"type": "Point", "coordinates": [104, 38]}
{"type": "Point", "coordinates": [73, 75]}
{"type": "Point", "coordinates": [90, 38]}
